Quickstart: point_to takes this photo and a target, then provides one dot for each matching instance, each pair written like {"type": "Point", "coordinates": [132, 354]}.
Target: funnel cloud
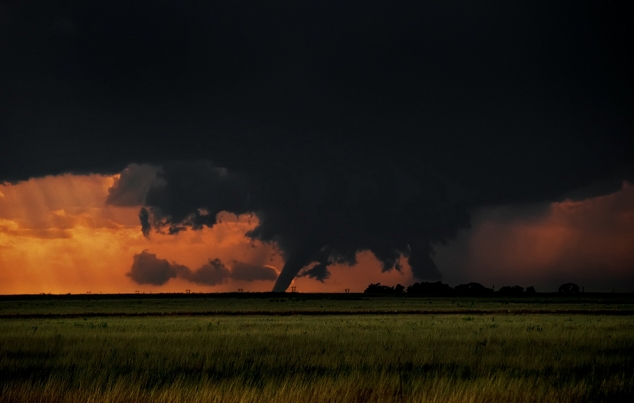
{"type": "Point", "coordinates": [317, 218]}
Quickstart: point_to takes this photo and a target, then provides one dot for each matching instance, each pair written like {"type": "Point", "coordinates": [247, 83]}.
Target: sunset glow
{"type": "Point", "coordinates": [589, 241]}
{"type": "Point", "coordinates": [57, 235]}
{"type": "Point", "coordinates": [212, 147]}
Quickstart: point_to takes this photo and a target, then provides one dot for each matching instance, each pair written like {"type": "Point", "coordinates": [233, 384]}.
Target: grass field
{"type": "Point", "coordinates": [232, 304]}
{"type": "Point", "coordinates": [436, 357]}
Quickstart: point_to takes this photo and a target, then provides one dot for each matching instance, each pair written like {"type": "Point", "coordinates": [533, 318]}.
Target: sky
{"type": "Point", "coordinates": [164, 146]}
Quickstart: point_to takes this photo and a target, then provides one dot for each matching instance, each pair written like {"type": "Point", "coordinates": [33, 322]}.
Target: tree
{"type": "Point", "coordinates": [378, 288]}
{"type": "Point", "coordinates": [473, 290]}
{"type": "Point", "coordinates": [431, 289]}
{"type": "Point", "coordinates": [514, 291]}
{"type": "Point", "coordinates": [569, 288]}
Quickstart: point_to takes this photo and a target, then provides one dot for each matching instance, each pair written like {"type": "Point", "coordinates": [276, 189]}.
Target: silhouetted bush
{"type": "Point", "coordinates": [439, 289]}
{"type": "Point", "coordinates": [509, 291]}
{"type": "Point", "coordinates": [569, 288]}
{"type": "Point", "coordinates": [473, 290]}
{"type": "Point", "coordinates": [377, 288]}
{"type": "Point", "coordinates": [431, 289]}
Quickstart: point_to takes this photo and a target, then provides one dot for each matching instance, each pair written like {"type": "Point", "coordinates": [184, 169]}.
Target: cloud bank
{"type": "Point", "coordinates": [589, 242]}
{"type": "Point", "coordinates": [324, 216]}
{"type": "Point", "coordinates": [148, 269]}
{"type": "Point", "coordinates": [373, 128]}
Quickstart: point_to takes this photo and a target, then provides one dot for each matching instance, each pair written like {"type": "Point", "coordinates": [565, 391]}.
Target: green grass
{"type": "Point", "coordinates": [299, 303]}
{"type": "Point", "coordinates": [345, 358]}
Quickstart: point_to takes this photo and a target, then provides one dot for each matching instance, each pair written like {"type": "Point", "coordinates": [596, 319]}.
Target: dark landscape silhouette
{"type": "Point", "coordinates": [438, 289]}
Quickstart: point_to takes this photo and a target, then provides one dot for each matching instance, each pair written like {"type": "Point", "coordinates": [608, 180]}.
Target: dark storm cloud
{"type": "Point", "coordinates": [318, 272]}
{"type": "Point", "coordinates": [193, 193]}
{"type": "Point", "coordinates": [144, 217]}
{"type": "Point", "coordinates": [132, 185]}
{"type": "Point", "coordinates": [344, 126]}
{"type": "Point", "coordinates": [242, 271]}
{"type": "Point", "coordinates": [212, 273]}
{"type": "Point", "coordinates": [511, 99]}
{"type": "Point", "coordinates": [148, 269]}
{"type": "Point", "coordinates": [325, 215]}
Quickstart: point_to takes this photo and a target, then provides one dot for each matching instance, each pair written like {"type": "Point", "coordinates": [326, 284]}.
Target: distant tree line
{"type": "Point", "coordinates": [439, 289]}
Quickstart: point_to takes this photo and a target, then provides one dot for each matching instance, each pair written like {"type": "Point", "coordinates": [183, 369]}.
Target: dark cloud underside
{"type": "Point", "coordinates": [324, 216]}
{"type": "Point", "coordinates": [344, 126]}
{"type": "Point", "coordinates": [132, 185]}
{"type": "Point", "coordinates": [509, 98]}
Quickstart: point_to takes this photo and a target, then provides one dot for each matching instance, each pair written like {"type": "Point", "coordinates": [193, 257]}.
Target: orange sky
{"type": "Point", "coordinates": [57, 235]}
{"type": "Point", "coordinates": [590, 242]}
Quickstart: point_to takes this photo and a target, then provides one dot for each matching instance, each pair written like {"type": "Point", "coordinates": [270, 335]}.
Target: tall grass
{"type": "Point", "coordinates": [248, 303]}
{"type": "Point", "coordinates": [379, 358]}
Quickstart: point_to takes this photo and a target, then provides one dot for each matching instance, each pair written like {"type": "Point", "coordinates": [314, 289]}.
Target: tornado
{"type": "Point", "coordinates": [324, 215]}
{"type": "Point", "coordinates": [294, 263]}
{"type": "Point", "coordinates": [288, 273]}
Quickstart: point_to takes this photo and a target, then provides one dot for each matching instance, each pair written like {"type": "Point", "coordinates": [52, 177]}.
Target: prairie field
{"type": "Point", "coordinates": [332, 356]}
{"type": "Point", "coordinates": [269, 303]}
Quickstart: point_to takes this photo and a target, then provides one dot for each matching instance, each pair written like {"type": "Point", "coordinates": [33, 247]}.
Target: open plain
{"type": "Point", "coordinates": [315, 348]}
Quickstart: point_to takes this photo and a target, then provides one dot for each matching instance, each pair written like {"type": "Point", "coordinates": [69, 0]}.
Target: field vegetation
{"type": "Point", "coordinates": [269, 303]}
{"type": "Point", "coordinates": [435, 357]}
